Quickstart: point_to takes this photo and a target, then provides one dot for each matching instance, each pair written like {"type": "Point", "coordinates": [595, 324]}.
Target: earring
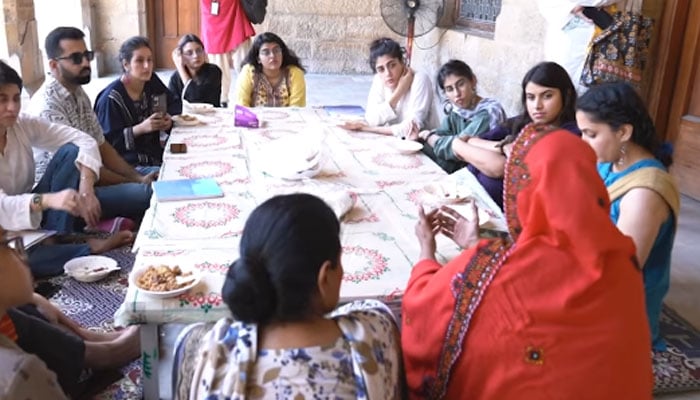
{"type": "Point", "coordinates": [621, 161]}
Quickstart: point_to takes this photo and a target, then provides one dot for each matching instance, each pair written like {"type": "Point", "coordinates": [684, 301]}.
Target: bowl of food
{"type": "Point", "coordinates": [406, 146]}
{"type": "Point", "coordinates": [185, 120]}
{"type": "Point", "coordinates": [90, 268]}
{"type": "Point", "coordinates": [162, 281]}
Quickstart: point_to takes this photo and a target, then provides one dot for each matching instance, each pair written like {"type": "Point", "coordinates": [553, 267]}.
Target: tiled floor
{"type": "Point", "coordinates": [685, 275]}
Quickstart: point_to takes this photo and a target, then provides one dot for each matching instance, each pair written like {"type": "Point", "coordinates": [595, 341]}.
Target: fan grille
{"type": "Point", "coordinates": [396, 14]}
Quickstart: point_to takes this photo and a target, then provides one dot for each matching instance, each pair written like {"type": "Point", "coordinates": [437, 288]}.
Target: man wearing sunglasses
{"type": "Point", "coordinates": [122, 190]}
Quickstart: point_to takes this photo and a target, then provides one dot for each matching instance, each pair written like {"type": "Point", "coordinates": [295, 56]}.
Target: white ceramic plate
{"type": "Point", "coordinates": [135, 274]}
{"type": "Point", "coordinates": [199, 108]}
{"type": "Point", "coordinates": [280, 170]}
{"type": "Point", "coordinates": [407, 146]}
{"type": "Point", "coordinates": [90, 268]}
{"type": "Point", "coordinates": [181, 121]}
{"type": "Point", "coordinates": [293, 158]}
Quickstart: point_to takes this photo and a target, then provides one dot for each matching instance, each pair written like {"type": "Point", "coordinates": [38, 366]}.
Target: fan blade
{"type": "Point", "coordinates": [426, 17]}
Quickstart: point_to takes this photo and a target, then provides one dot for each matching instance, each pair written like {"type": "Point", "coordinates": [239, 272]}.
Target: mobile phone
{"type": "Point", "coordinates": [159, 103]}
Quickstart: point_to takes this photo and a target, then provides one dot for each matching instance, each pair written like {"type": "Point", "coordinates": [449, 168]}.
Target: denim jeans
{"type": "Point", "coordinates": [46, 260]}
{"type": "Point", "coordinates": [128, 200]}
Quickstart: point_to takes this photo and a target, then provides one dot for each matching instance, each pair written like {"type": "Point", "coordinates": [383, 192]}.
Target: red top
{"type": "Point", "coordinates": [555, 313]}
{"type": "Point", "coordinates": [224, 32]}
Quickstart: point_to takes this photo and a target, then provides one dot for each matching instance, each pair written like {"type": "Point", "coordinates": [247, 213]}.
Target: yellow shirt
{"type": "Point", "coordinates": [254, 90]}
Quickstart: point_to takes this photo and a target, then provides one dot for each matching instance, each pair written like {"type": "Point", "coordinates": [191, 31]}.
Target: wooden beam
{"type": "Point", "coordinates": [685, 77]}
{"type": "Point", "coordinates": [667, 53]}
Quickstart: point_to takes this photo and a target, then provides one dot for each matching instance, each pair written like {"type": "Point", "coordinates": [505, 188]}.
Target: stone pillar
{"type": "Point", "coordinates": [19, 44]}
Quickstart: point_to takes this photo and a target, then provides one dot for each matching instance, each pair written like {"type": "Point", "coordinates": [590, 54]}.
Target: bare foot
{"type": "Point", "coordinates": [96, 336]}
{"type": "Point", "coordinates": [119, 239]}
{"type": "Point", "coordinates": [115, 353]}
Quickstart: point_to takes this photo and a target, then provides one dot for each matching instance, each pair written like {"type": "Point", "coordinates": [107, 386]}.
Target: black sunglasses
{"type": "Point", "coordinates": [77, 58]}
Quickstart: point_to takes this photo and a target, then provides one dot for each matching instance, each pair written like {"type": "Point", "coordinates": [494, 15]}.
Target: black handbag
{"type": "Point", "coordinates": [255, 10]}
{"type": "Point", "coordinates": [620, 52]}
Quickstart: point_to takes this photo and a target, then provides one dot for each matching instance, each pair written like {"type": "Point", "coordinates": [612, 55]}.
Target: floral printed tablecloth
{"type": "Point", "coordinates": [379, 247]}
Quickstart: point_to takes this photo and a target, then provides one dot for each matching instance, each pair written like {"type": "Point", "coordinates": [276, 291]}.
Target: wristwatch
{"type": "Point", "coordinates": [36, 202]}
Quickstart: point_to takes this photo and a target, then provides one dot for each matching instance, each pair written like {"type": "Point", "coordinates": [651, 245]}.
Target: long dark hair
{"type": "Point", "coordinates": [9, 76]}
{"type": "Point", "coordinates": [384, 47]}
{"type": "Point", "coordinates": [126, 51]}
{"type": "Point", "coordinates": [188, 38]}
{"type": "Point", "coordinates": [288, 56]}
{"type": "Point", "coordinates": [285, 241]}
{"type": "Point", "coordinates": [617, 104]}
{"type": "Point", "coordinates": [553, 75]}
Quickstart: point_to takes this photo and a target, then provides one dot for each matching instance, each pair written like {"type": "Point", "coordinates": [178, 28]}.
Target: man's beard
{"type": "Point", "coordinates": [77, 79]}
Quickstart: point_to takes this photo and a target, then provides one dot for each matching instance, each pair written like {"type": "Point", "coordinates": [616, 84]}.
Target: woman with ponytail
{"type": "Point", "coordinates": [645, 201]}
{"type": "Point", "coordinates": [287, 339]}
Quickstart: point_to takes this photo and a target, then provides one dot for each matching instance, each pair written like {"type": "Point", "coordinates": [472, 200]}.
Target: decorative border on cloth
{"type": "Point", "coordinates": [397, 161]}
{"type": "Point", "coordinates": [517, 175]}
{"type": "Point", "coordinates": [190, 170]}
{"type": "Point", "coordinates": [184, 214]}
{"type": "Point", "coordinates": [476, 278]}
{"type": "Point", "coordinates": [674, 371]}
{"type": "Point", "coordinates": [376, 265]}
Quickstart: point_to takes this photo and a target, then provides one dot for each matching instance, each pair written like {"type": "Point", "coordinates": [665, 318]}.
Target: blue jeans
{"type": "Point", "coordinates": [47, 260]}
{"type": "Point", "coordinates": [128, 200]}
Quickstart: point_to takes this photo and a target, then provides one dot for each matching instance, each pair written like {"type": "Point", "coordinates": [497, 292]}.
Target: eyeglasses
{"type": "Point", "coordinates": [77, 57]}
{"type": "Point", "coordinates": [192, 53]}
{"type": "Point", "coordinates": [17, 244]}
{"type": "Point", "coordinates": [275, 51]}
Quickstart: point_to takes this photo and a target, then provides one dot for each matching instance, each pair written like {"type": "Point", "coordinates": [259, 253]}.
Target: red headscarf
{"type": "Point", "coordinates": [554, 312]}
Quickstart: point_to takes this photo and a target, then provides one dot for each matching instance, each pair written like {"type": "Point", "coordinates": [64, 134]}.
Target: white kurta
{"type": "Point", "coordinates": [17, 165]}
{"type": "Point", "coordinates": [415, 105]}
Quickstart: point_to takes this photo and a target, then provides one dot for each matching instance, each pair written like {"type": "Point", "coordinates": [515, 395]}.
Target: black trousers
{"type": "Point", "coordinates": [62, 351]}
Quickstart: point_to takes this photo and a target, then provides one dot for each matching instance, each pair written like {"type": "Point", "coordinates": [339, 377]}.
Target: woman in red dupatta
{"type": "Point", "coordinates": [554, 312]}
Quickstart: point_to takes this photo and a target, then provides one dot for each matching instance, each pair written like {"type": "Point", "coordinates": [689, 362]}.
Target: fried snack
{"type": "Point", "coordinates": [187, 117]}
{"type": "Point", "coordinates": [162, 279]}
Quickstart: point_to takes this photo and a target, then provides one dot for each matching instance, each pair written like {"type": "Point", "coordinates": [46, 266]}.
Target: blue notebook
{"type": "Point", "coordinates": [345, 110]}
{"type": "Point", "coordinates": [187, 189]}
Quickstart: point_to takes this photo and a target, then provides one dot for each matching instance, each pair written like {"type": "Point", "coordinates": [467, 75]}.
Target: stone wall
{"type": "Point", "coordinates": [19, 45]}
{"type": "Point", "coordinates": [113, 22]}
{"type": "Point", "coordinates": [332, 36]}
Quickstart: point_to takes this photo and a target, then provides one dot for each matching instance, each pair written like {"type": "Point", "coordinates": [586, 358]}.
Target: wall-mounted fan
{"type": "Point", "coordinates": [411, 18]}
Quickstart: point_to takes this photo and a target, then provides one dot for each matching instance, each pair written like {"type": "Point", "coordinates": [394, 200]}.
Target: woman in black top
{"type": "Point", "coordinates": [199, 80]}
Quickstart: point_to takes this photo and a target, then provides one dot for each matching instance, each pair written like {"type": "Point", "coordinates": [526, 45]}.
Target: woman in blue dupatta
{"type": "Point", "coordinates": [287, 339]}
{"type": "Point", "coordinates": [135, 109]}
{"type": "Point", "coordinates": [645, 201]}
